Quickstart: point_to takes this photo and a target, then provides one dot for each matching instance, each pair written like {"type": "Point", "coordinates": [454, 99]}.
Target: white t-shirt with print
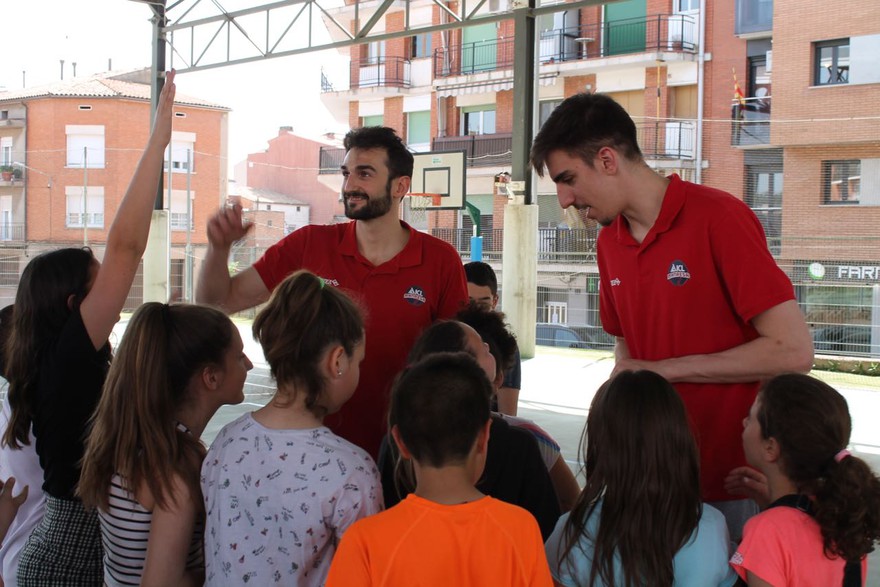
{"type": "Point", "coordinates": [278, 501]}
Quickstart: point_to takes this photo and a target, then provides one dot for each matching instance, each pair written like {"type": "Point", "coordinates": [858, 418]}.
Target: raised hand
{"type": "Point", "coordinates": [227, 226]}
{"type": "Point", "coordinates": [165, 111]}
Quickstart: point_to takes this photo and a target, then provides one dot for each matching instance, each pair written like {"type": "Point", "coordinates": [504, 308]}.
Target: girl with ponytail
{"type": "Point", "coordinates": [823, 515]}
{"type": "Point", "coordinates": [175, 367]}
{"type": "Point", "coordinates": [280, 488]}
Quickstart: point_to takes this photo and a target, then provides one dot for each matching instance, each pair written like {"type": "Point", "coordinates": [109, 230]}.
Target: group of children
{"type": "Point", "coordinates": [128, 494]}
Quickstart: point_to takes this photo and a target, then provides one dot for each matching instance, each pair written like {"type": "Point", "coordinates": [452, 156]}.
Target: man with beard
{"type": "Point", "coordinates": [404, 279]}
{"type": "Point", "coordinates": [687, 284]}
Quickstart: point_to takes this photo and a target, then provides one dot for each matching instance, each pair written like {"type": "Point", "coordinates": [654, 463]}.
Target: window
{"type": "Point", "coordinates": [841, 181]}
{"type": "Point", "coordinates": [764, 197]}
{"type": "Point", "coordinates": [418, 130]}
{"type": "Point", "coordinates": [85, 146]}
{"type": "Point", "coordinates": [832, 62]}
{"type": "Point", "coordinates": [5, 150]}
{"type": "Point", "coordinates": [376, 52]}
{"type": "Point", "coordinates": [376, 120]}
{"type": "Point", "coordinates": [420, 46]}
{"type": "Point", "coordinates": [545, 108]}
{"type": "Point", "coordinates": [182, 152]}
{"type": "Point", "coordinates": [177, 210]}
{"type": "Point", "coordinates": [753, 16]}
{"type": "Point", "coordinates": [687, 5]}
{"type": "Point", "coordinates": [85, 207]}
{"type": "Point", "coordinates": [478, 120]}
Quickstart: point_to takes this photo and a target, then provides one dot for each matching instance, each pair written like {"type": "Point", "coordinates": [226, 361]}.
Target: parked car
{"type": "Point", "coordinates": [577, 336]}
{"type": "Point", "coordinates": [843, 339]}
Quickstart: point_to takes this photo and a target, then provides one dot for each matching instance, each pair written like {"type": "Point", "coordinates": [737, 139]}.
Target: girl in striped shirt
{"type": "Point", "coordinates": [175, 367]}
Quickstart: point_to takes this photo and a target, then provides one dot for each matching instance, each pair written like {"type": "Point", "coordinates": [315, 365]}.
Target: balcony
{"type": "Point", "coordinates": [330, 160]}
{"type": "Point", "coordinates": [750, 122]}
{"type": "Point", "coordinates": [667, 139]}
{"type": "Point", "coordinates": [11, 232]}
{"type": "Point", "coordinates": [480, 150]}
{"type": "Point", "coordinates": [555, 245]}
{"type": "Point", "coordinates": [661, 32]}
{"type": "Point", "coordinates": [379, 72]}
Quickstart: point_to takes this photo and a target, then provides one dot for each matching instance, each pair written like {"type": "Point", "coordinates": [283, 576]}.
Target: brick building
{"type": "Point", "coordinates": [801, 148]}
{"type": "Point", "coordinates": [73, 147]}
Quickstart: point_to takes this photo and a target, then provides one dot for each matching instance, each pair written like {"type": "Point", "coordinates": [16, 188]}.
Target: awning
{"type": "Point", "coordinates": [487, 86]}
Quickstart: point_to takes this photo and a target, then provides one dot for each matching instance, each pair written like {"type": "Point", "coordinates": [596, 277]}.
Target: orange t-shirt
{"type": "Point", "coordinates": [420, 543]}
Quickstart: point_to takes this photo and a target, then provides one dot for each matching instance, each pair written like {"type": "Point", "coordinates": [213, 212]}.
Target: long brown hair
{"type": "Point", "coordinates": [41, 310]}
{"type": "Point", "coordinates": [302, 319]}
{"type": "Point", "coordinates": [642, 463]}
{"type": "Point", "coordinates": [810, 420]}
{"type": "Point", "coordinates": [134, 433]}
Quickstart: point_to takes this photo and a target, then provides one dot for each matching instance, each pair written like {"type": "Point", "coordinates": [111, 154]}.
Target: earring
{"type": "Point", "coordinates": [339, 373]}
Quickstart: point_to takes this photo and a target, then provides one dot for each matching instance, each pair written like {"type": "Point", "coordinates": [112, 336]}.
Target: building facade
{"type": "Point", "coordinates": [72, 148]}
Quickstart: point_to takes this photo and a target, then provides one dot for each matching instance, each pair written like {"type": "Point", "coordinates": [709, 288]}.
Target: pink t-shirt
{"type": "Point", "coordinates": [783, 546]}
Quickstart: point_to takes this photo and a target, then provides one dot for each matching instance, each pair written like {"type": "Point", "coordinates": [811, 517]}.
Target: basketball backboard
{"type": "Point", "coordinates": [440, 172]}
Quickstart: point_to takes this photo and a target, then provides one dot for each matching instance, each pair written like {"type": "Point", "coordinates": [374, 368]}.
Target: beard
{"type": "Point", "coordinates": [374, 207]}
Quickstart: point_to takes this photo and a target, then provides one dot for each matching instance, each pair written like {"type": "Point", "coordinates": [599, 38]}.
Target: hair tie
{"type": "Point", "coordinates": [320, 280]}
{"type": "Point", "coordinates": [842, 455]}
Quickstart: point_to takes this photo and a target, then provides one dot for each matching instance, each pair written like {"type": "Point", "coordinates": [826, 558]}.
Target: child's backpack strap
{"type": "Point", "coordinates": [852, 572]}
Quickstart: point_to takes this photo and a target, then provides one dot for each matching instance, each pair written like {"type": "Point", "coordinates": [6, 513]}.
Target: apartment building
{"type": "Point", "coordinates": [71, 148]}
{"type": "Point", "coordinates": [800, 146]}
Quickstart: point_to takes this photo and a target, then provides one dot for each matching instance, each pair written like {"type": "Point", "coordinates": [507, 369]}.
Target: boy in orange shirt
{"type": "Point", "coordinates": [447, 532]}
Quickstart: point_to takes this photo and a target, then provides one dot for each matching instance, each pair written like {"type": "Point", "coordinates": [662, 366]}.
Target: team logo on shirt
{"type": "Point", "coordinates": [415, 295]}
{"type": "Point", "coordinates": [678, 273]}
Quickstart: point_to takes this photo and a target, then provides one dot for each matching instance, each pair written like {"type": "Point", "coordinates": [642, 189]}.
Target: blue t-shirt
{"type": "Point", "coordinates": [701, 562]}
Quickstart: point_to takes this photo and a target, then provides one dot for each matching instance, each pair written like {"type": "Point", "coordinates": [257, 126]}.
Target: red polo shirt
{"type": "Point", "coordinates": [400, 298]}
{"type": "Point", "coordinates": [702, 273]}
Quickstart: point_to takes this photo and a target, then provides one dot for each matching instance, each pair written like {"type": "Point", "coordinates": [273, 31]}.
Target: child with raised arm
{"type": "Point", "coordinates": [58, 355]}
{"type": "Point", "coordinates": [639, 519]}
{"type": "Point", "coordinates": [446, 532]}
{"type": "Point", "coordinates": [823, 516]}
{"type": "Point", "coordinates": [280, 487]}
{"type": "Point", "coordinates": [176, 365]}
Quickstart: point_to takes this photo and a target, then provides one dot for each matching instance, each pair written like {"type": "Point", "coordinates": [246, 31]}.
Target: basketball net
{"type": "Point", "coordinates": [416, 209]}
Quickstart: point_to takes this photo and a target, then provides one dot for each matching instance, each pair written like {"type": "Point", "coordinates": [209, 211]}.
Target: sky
{"type": "Point", "coordinates": [263, 95]}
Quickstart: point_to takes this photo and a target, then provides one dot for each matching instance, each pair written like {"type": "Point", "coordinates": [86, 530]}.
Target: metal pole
{"type": "Point", "coordinates": [85, 196]}
{"type": "Point", "coordinates": [188, 261]}
{"type": "Point", "coordinates": [159, 20]}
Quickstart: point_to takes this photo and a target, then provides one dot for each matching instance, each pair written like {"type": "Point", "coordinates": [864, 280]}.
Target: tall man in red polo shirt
{"type": "Point", "coordinates": [687, 284]}
{"type": "Point", "coordinates": [404, 279]}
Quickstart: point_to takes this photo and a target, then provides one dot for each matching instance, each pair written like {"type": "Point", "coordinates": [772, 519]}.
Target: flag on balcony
{"type": "Point", "coordinates": [738, 96]}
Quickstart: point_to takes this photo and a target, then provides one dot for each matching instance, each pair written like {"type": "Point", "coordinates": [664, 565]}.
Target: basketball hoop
{"type": "Point", "coordinates": [422, 200]}
{"type": "Point", "coordinates": [417, 213]}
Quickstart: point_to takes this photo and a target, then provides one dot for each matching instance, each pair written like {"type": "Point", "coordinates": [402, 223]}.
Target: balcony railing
{"type": "Point", "coordinates": [380, 72]}
{"type": "Point", "coordinates": [330, 160]}
{"type": "Point", "coordinates": [12, 231]}
{"type": "Point", "coordinates": [750, 122]}
{"type": "Point", "coordinates": [555, 245]}
{"type": "Point", "coordinates": [660, 32]}
{"type": "Point", "coordinates": [75, 220]}
{"type": "Point", "coordinates": [667, 139]}
{"type": "Point", "coordinates": [480, 150]}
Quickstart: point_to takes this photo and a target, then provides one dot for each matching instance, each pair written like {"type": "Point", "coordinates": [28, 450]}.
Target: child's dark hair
{"type": "Point", "coordinates": [439, 406]}
{"type": "Point", "coordinates": [5, 331]}
{"type": "Point", "coordinates": [482, 274]}
{"type": "Point", "coordinates": [490, 325]}
{"type": "Point", "coordinates": [302, 319]}
{"type": "Point", "coordinates": [41, 310]}
{"type": "Point", "coordinates": [811, 423]}
{"type": "Point", "coordinates": [399, 160]}
{"type": "Point", "coordinates": [446, 336]}
{"type": "Point", "coordinates": [642, 462]}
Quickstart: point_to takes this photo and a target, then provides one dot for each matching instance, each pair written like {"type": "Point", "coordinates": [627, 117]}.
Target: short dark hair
{"type": "Point", "coordinates": [5, 331]}
{"type": "Point", "coordinates": [490, 325]}
{"type": "Point", "coordinates": [439, 406]}
{"type": "Point", "coordinates": [482, 274]}
{"type": "Point", "coordinates": [398, 158]}
{"type": "Point", "coordinates": [581, 126]}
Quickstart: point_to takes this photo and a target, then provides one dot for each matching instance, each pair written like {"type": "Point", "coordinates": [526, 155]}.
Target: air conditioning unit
{"type": "Point", "coordinates": [499, 5]}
